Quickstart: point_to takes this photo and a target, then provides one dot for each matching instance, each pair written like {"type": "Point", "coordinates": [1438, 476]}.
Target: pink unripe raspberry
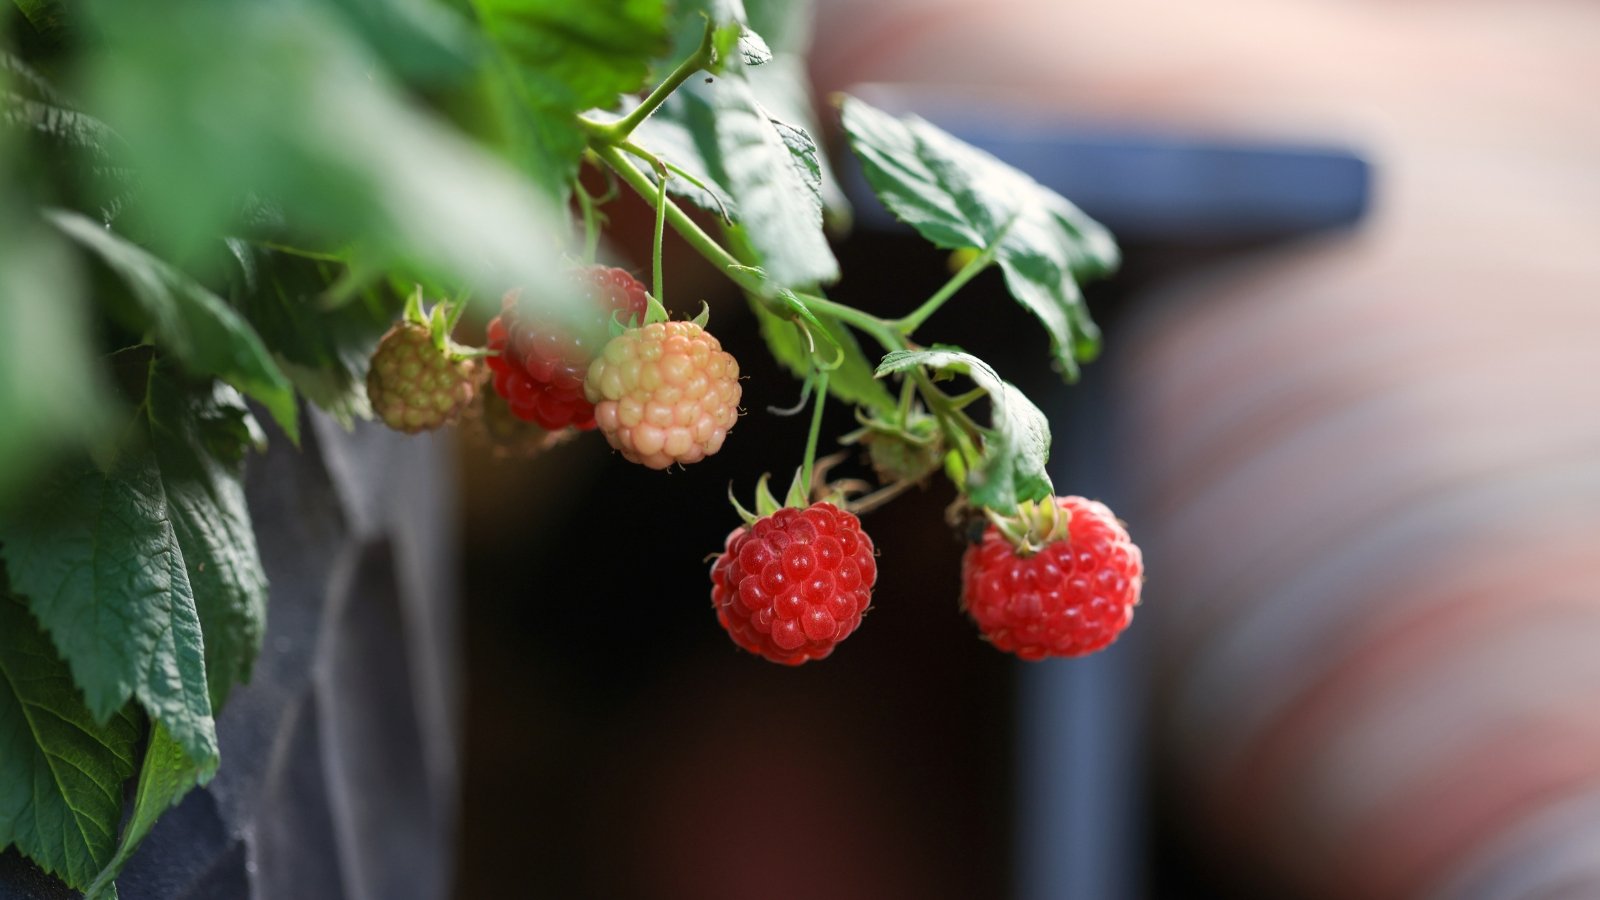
{"type": "Point", "coordinates": [664, 393]}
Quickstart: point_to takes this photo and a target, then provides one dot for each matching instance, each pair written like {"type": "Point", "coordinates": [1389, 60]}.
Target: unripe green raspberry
{"type": "Point", "coordinates": [911, 453]}
{"type": "Point", "coordinates": [664, 393]}
{"type": "Point", "coordinates": [413, 385]}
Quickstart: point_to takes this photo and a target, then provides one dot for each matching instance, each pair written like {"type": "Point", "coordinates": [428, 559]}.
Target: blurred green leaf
{"type": "Point", "coordinates": [46, 16]}
{"type": "Point", "coordinates": [61, 769]}
{"type": "Point", "coordinates": [784, 24]}
{"type": "Point", "coordinates": [563, 58]}
{"type": "Point", "coordinates": [98, 562]}
{"type": "Point", "coordinates": [420, 38]}
{"type": "Point", "coordinates": [276, 102]}
{"type": "Point", "coordinates": [957, 196]}
{"type": "Point", "coordinates": [51, 393]}
{"type": "Point", "coordinates": [1016, 448]}
{"type": "Point", "coordinates": [199, 328]}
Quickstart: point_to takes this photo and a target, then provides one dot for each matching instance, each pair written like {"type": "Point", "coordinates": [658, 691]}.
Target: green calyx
{"type": "Point", "coordinates": [440, 321]}
{"type": "Point", "coordinates": [797, 497]}
{"type": "Point", "coordinates": [766, 503]}
{"type": "Point", "coordinates": [1034, 526]}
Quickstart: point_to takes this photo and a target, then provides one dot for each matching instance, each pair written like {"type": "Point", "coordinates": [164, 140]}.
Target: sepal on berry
{"type": "Point", "coordinates": [1034, 525]}
{"type": "Point", "coordinates": [418, 379]}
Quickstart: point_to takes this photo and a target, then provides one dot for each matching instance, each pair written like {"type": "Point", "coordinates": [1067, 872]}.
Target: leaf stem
{"type": "Point", "coordinates": [978, 263]}
{"type": "Point", "coordinates": [655, 247]}
{"type": "Point", "coordinates": [957, 426]}
{"type": "Point", "coordinates": [618, 131]}
{"type": "Point", "coordinates": [703, 243]}
{"type": "Point", "coordinates": [810, 459]}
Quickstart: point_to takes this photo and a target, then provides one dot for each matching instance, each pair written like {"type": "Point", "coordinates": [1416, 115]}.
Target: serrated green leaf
{"type": "Point", "coordinates": [61, 771]}
{"type": "Point", "coordinates": [766, 173]}
{"type": "Point", "coordinates": [199, 328]}
{"type": "Point", "coordinates": [165, 776]}
{"type": "Point", "coordinates": [683, 134]}
{"type": "Point", "coordinates": [803, 158]}
{"type": "Point", "coordinates": [96, 557]}
{"type": "Point", "coordinates": [852, 382]}
{"type": "Point", "coordinates": [783, 86]}
{"type": "Point", "coordinates": [779, 205]}
{"type": "Point", "coordinates": [1017, 447]}
{"type": "Point", "coordinates": [753, 51]}
{"type": "Point", "coordinates": [956, 195]}
{"type": "Point", "coordinates": [199, 435]}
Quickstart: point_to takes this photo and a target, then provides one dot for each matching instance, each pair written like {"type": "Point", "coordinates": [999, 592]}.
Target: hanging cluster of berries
{"type": "Point", "coordinates": [1057, 578]}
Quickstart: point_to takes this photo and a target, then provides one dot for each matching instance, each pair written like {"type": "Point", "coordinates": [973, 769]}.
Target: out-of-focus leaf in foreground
{"type": "Point", "coordinates": [276, 101]}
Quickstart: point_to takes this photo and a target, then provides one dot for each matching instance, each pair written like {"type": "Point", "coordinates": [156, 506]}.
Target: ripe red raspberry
{"type": "Point", "coordinates": [795, 583]}
{"type": "Point", "coordinates": [665, 393]}
{"type": "Point", "coordinates": [1071, 597]}
{"type": "Point", "coordinates": [540, 367]}
{"type": "Point", "coordinates": [415, 386]}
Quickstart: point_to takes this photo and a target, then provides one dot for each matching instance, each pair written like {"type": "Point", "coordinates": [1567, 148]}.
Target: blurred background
{"type": "Point", "coordinates": [1350, 406]}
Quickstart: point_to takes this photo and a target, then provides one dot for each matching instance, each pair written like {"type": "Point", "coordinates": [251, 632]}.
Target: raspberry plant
{"type": "Point", "coordinates": [205, 226]}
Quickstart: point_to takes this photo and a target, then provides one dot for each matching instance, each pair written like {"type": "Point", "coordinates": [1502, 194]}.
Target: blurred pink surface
{"type": "Point", "coordinates": [1369, 465]}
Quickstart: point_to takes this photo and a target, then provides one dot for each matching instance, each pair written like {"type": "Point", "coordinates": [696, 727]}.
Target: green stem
{"type": "Point", "coordinates": [810, 459]}
{"type": "Point", "coordinates": [880, 330]}
{"type": "Point", "coordinates": [618, 131]}
{"type": "Point", "coordinates": [746, 277]}
{"type": "Point", "coordinates": [957, 426]}
{"type": "Point", "coordinates": [703, 243]}
{"type": "Point", "coordinates": [908, 388]}
{"type": "Point", "coordinates": [911, 322]}
{"type": "Point", "coordinates": [457, 309]}
{"type": "Point", "coordinates": [655, 253]}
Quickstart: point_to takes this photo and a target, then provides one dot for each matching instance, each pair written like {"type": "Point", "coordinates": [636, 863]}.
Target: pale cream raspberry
{"type": "Point", "coordinates": [664, 393]}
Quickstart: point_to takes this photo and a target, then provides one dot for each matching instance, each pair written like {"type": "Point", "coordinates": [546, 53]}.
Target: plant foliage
{"type": "Point", "coordinates": [213, 208]}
